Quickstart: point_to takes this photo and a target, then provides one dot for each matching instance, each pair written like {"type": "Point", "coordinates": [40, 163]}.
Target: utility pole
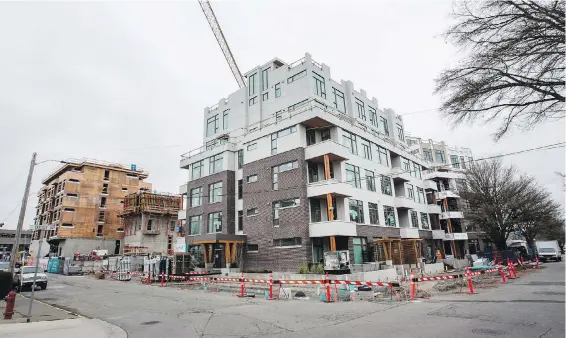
{"type": "Point", "coordinates": [22, 215]}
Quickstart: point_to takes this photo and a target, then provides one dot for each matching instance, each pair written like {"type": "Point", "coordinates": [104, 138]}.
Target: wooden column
{"type": "Point", "coordinates": [234, 252]}
{"type": "Point", "coordinates": [210, 253]}
{"type": "Point", "coordinates": [227, 254]}
{"type": "Point", "coordinates": [204, 254]}
{"type": "Point", "coordinates": [330, 207]}
{"type": "Point", "coordinates": [332, 243]}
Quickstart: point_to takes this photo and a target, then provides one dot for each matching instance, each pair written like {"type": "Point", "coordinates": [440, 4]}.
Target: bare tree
{"type": "Point", "coordinates": [500, 199]}
{"type": "Point", "coordinates": [514, 64]}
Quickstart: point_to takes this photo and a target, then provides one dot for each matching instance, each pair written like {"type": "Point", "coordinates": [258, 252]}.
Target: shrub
{"type": "Point", "coordinates": [304, 269]}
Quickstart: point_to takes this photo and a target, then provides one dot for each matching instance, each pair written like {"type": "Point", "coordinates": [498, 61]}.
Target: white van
{"type": "Point", "coordinates": [549, 250]}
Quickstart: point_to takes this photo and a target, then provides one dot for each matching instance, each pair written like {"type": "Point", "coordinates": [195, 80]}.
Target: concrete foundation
{"type": "Point", "coordinates": [84, 246]}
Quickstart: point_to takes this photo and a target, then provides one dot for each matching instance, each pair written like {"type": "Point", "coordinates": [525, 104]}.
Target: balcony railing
{"type": "Point", "coordinates": [209, 146]}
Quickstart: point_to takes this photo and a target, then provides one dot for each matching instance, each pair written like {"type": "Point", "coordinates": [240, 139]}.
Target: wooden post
{"type": "Point", "coordinates": [234, 251]}
{"type": "Point", "coordinates": [210, 252]}
{"type": "Point", "coordinates": [326, 167]}
{"type": "Point", "coordinates": [204, 253]}
{"type": "Point", "coordinates": [227, 254]}
{"type": "Point", "coordinates": [329, 207]}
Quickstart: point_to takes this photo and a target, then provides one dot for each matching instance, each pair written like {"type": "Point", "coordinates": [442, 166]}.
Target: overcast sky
{"type": "Point", "coordinates": [127, 82]}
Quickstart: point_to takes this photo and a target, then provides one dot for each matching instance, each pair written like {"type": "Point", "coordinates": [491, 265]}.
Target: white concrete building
{"type": "Point", "coordinates": [296, 164]}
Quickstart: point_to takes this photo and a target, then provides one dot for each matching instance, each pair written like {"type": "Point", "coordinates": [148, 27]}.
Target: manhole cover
{"type": "Point", "coordinates": [487, 332]}
{"type": "Point", "coordinates": [549, 293]}
{"type": "Point", "coordinates": [151, 322]}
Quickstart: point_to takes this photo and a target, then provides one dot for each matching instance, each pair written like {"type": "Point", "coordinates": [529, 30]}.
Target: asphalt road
{"type": "Point", "coordinates": [531, 306]}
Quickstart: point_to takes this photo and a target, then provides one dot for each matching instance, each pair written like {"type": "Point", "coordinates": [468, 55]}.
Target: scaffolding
{"type": "Point", "coordinates": [151, 203]}
{"type": "Point", "coordinates": [399, 251]}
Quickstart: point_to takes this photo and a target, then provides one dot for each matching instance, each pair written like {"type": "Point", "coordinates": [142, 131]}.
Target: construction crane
{"type": "Point", "coordinates": [209, 13]}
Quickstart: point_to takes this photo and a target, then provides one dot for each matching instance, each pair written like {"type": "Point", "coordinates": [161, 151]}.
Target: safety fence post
{"type": "Point", "coordinates": [470, 285]}
{"type": "Point", "coordinates": [510, 270]}
{"type": "Point", "coordinates": [327, 284]}
{"type": "Point", "coordinates": [537, 261]}
{"type": "Point", "coordinates": [503, 280]}
{"type": "Point", "coordinates": [162, 279]}
{"type": "Point", "coordinates": [242, 286]}
{"type": "Point", "coordinates": [412, 285]}
{"type": "Point", "coordinates": [271, 286]}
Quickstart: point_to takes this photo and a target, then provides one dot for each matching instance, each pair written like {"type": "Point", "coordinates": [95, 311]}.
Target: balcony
{"type": "Point", "coordinates": [183, 190]}
{"type": "Point", "coordinates": [332, 228]}
{"type": "Point", "coordinates": [456, 236]}
{"type": "Point", "coordinates": [446, 194]}
{"type": "Point", "coordinates": [205, 151]}
{"type": "Point", "coordinates": [442, 174]}
{"type": "Point", "coordinates": [430, 185]}
{"type": "Point", "coordinates": [404, 203]}
{"type": "Point", "coordinates": [400, 175]}
{"type": "Point", "coordinates": [335, 151]}
{"type": "Point", "coordinates": [438, 234]}
{"type": "Point", "coordinates": [332, 186]}
{"type": "Point", "coordinates": [451, 214]}
{"type": "Point", "coordinates": [434, 209]}
{"type": "Point", "coordinates": [409, 232]}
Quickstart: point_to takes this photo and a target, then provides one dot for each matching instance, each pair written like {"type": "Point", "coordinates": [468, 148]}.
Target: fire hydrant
{"type": "Point", "coordinates": [10, 303]}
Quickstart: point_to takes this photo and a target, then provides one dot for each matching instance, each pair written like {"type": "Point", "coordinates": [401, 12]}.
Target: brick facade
{"type": "Point", "coordinates": [293, 222]}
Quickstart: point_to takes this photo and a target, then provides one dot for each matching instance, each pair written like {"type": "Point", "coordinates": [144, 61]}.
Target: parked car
{"type": "Point", "coordinates": [4, 266]}
{"type": "Point", "coordinates": [549, 250]}
{"type": "Point", "coordinates": [24, 278]}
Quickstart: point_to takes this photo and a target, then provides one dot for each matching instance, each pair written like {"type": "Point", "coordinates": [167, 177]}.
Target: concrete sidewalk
{"type": "Point", "coordinates": [65, 328]}
{"type": "Point", "coordinates": [39, 312]}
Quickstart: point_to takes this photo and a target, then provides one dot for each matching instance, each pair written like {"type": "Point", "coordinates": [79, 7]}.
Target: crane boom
{"type": "Point", "coordinates": [209, 13]}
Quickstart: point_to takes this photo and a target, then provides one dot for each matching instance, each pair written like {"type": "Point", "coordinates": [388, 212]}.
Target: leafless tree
{"type": "Point", "coordinates": [502, 200]}
{"type": "Point", "coordinates": [514, 64]}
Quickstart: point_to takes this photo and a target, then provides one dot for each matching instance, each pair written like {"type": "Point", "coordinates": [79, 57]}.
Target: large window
{"type": "Point", "coordinates": [195, 224]}
{"type": "Point", "coordinates": [282, 168]}
{"type": "Point", "coordinates": [240, 189]}
{"type": "Point", "coordinates": [277, 90]}
{"type": "Point", "coordinates": [400, 133]}
{"type": "Point", "coordinates": [360, 250]}
{"type": "Point", "coordinates": [225, 119]}
{"type": "Point", "coordinates": [288, 203]}
{"type": "Point", "coordinates": [356, 211]}
{"type": "Point", "coordinates": [319, 88]}
{"type": "Point", "coordinates": [373, 213]}
{"type": "Point", "coordinates": [339, 102]}
{"type": "Point", "coordinates": [212, 125]}
{"type": "Point", "coordinates": [422, 198]}
{"type": "Point", "coordinates": [196, 197]}
{"type": "Point", "coordinates": [215, 192]}
{"type": "Point", "coordinates": [366, 148]}
{"type": "Point", "coordinates": [215, 164]}
{"type": "Point", "coordinates": [414, 219]}
{"type": "Point", "coordinates": [215, 222]}
{"type": "Point", "coordinates": [389, 215]}
{"type": "Point", "coordinates": [279, 134]}
{"type": "Point", "coordinates": [406, 164]}
{"type": "Point", "coordinates": [197, 170]}
{"type": "Point", "coordinates": [361, 109]}
{"type": "Point", "coordinates": [386, 185]}
{"type": "Point", "coordinates": [252, 83]}
{"type": "Point", "coordinates": [297, 76]}
{"type": "Point", "coordinates": [252, 178]}
{"type": "Point", "coordinates": [417, 170]}
{"type": "Point", "coordinates": [264, 79]}
{"type": "Point", "coordinates": [372, 116]}
{"type": "Point", "coordinates": [349, 141]}
{"type": "Point", "coordinates": [440, 156]}
{"type": "Point", "coordinates": [385, 125]}
{"type": "Point", "coordinates": [424, 221]}
{"type": "Point", "coordinates": [240, 158]}
{"type": "Point", "coordinates": [383, 158]}
{"type": "Point", "coordinates": [240, 220]}
{"type": "Point", "coordinates": [427, 154]}
{"type": "Point", "coordinates": [287, 242]}
{"type": "Point", "coordinates": [353, 175]}
{"type": "Point", "coordinates": [410, 192]}
{"type": "Point", "coordinates": [370, 180]}
{"type": "Point", "coordinates": [454, 161]}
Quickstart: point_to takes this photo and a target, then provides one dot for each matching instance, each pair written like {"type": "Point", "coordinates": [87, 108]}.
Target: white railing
{"type": "Point", "coordinates": [209, 146]}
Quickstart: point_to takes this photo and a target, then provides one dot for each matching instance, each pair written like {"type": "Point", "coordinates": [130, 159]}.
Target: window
{"type": "Point", "coordinates": [421, 193]}
{"type": "Point", "coordinates": [212, 125]}
{"type": "Point", "coordinates": [319, 88]}
{"type": "Point", "coordinates": [311, 137]}
{"type": "Point", "coordinates": [410, 192]}
{"type": "Point", "coordinates": [373, 213]}
{"type": "Point", "coordinates": [277, 90]}
{"type": "Point", "coordinates": [275, 212]}
{"type": "Point", "coordinates": [353, 176]}
{"type": "Point", "coordinates": [252, 179]}
{"type": "Point", "coordinates": [172, 225]}
{"type": "Point", "coordinates": [103, 202]}
{"type": "Point", "coordinates": [287, 242]}
{"type": "Point", "coordinates": [288, 166]}
{"type": "Point", "coordinates": [101, 216]}
{"type": "Point", "coordinates": [349, 140]}
{"type": "Point", "coordinates": [196, 197]}
{"type": "Point", "coordinates": [252, 101]}
{"type": "Point", "coordinates": [240, 158]}
{"type": "Point", "coordinates": [252, 84]}
{"type": "Point", "coordinates": [240, 220]}
{"type": "Point", "coordinates": [339, 102]}
{"type": "Point", "coordinates": [462, 162]}
{"type": "Point", "coordinates": [252, 146]}
{"type": "Point", "coordinates": [406, 164]}
{"type": "Point", "coordinates": [197, 169]}
{"type": "Point", "coordinates": [67, 225]}
{"type": "Point", "coordinates": [400, 133]}
{"type": "Point", "coordinates": [71, 195]}
{"type": "Point", "coordinates": [251, 212]}
{"type": "Point", "coordinates": [424, 221]}
{"type": "Point", "coordinates": [215, 192]}
{"type": "Point", "coordinates": [325, 134]}
{"type": "Point", "coordinates": [385, 125]}
{"type": "Point", "coordinates": [297, 105]}
{"type": "Point", "coordinates": [120, 230]}
{"type": "Point", "coordinates": [383, 158]}
{"type": "Point", "coordinates": [297, 76]}
{"type": "Point", "coordinates": [195, 224]}
{"type": "Point", "coordinates": [372, 116]}
{"type": "Point", "coordinates": [454, 161]}
{"type": "Point", "coordinates": [440, 156]}
{"type": "Point", "coordinates": [240, 190]}
{"type": "Point", "coordinates": [69, 209]}
{"type": "Point", "coordinates": [290, 203]}
{"type": "Point", "coordinates": [215, 164]}
{"type": "Point", "coordinates": [386, 185]}
{"type": "Point", "coordinates": [370, 180]}
{"type": "Point", "coordinates": [417, 170]}
{"type": "Point", "coordinates": [104, 188]}
{"type": "Point", "coordinates": [124, 189]}
{"type": "Point", "coordinates": [132, 175]}
{"type": "Point", "coordinates": [356, 211]}
{"type": "Point", "coordinates": [414, 219]}
{"type": "Point", "coordinates": [225, 119]}
{"type": "Point", "coordinates": [360, 250]}
{"type": "Point", "coordinates": [215, 222]}
{"type": "Point", "coordinates": [264, 79]}
{"type": "Point", "coordinates": [389, 215]}
{"type": "Point", "coordinates": [74, 180]}
{"type": "Point", "coordinates": [252, 247]}
{"type": "Point", "coordinates": [366, 149]}
{"type": "Point", "coordinates": [273, 144]}
{"type": "Point", "coordinates": [265, 96]}
{"type": "Point", "coordinates": [427, 155]}
{"type": "Point", "coordinates": [361, 109]}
